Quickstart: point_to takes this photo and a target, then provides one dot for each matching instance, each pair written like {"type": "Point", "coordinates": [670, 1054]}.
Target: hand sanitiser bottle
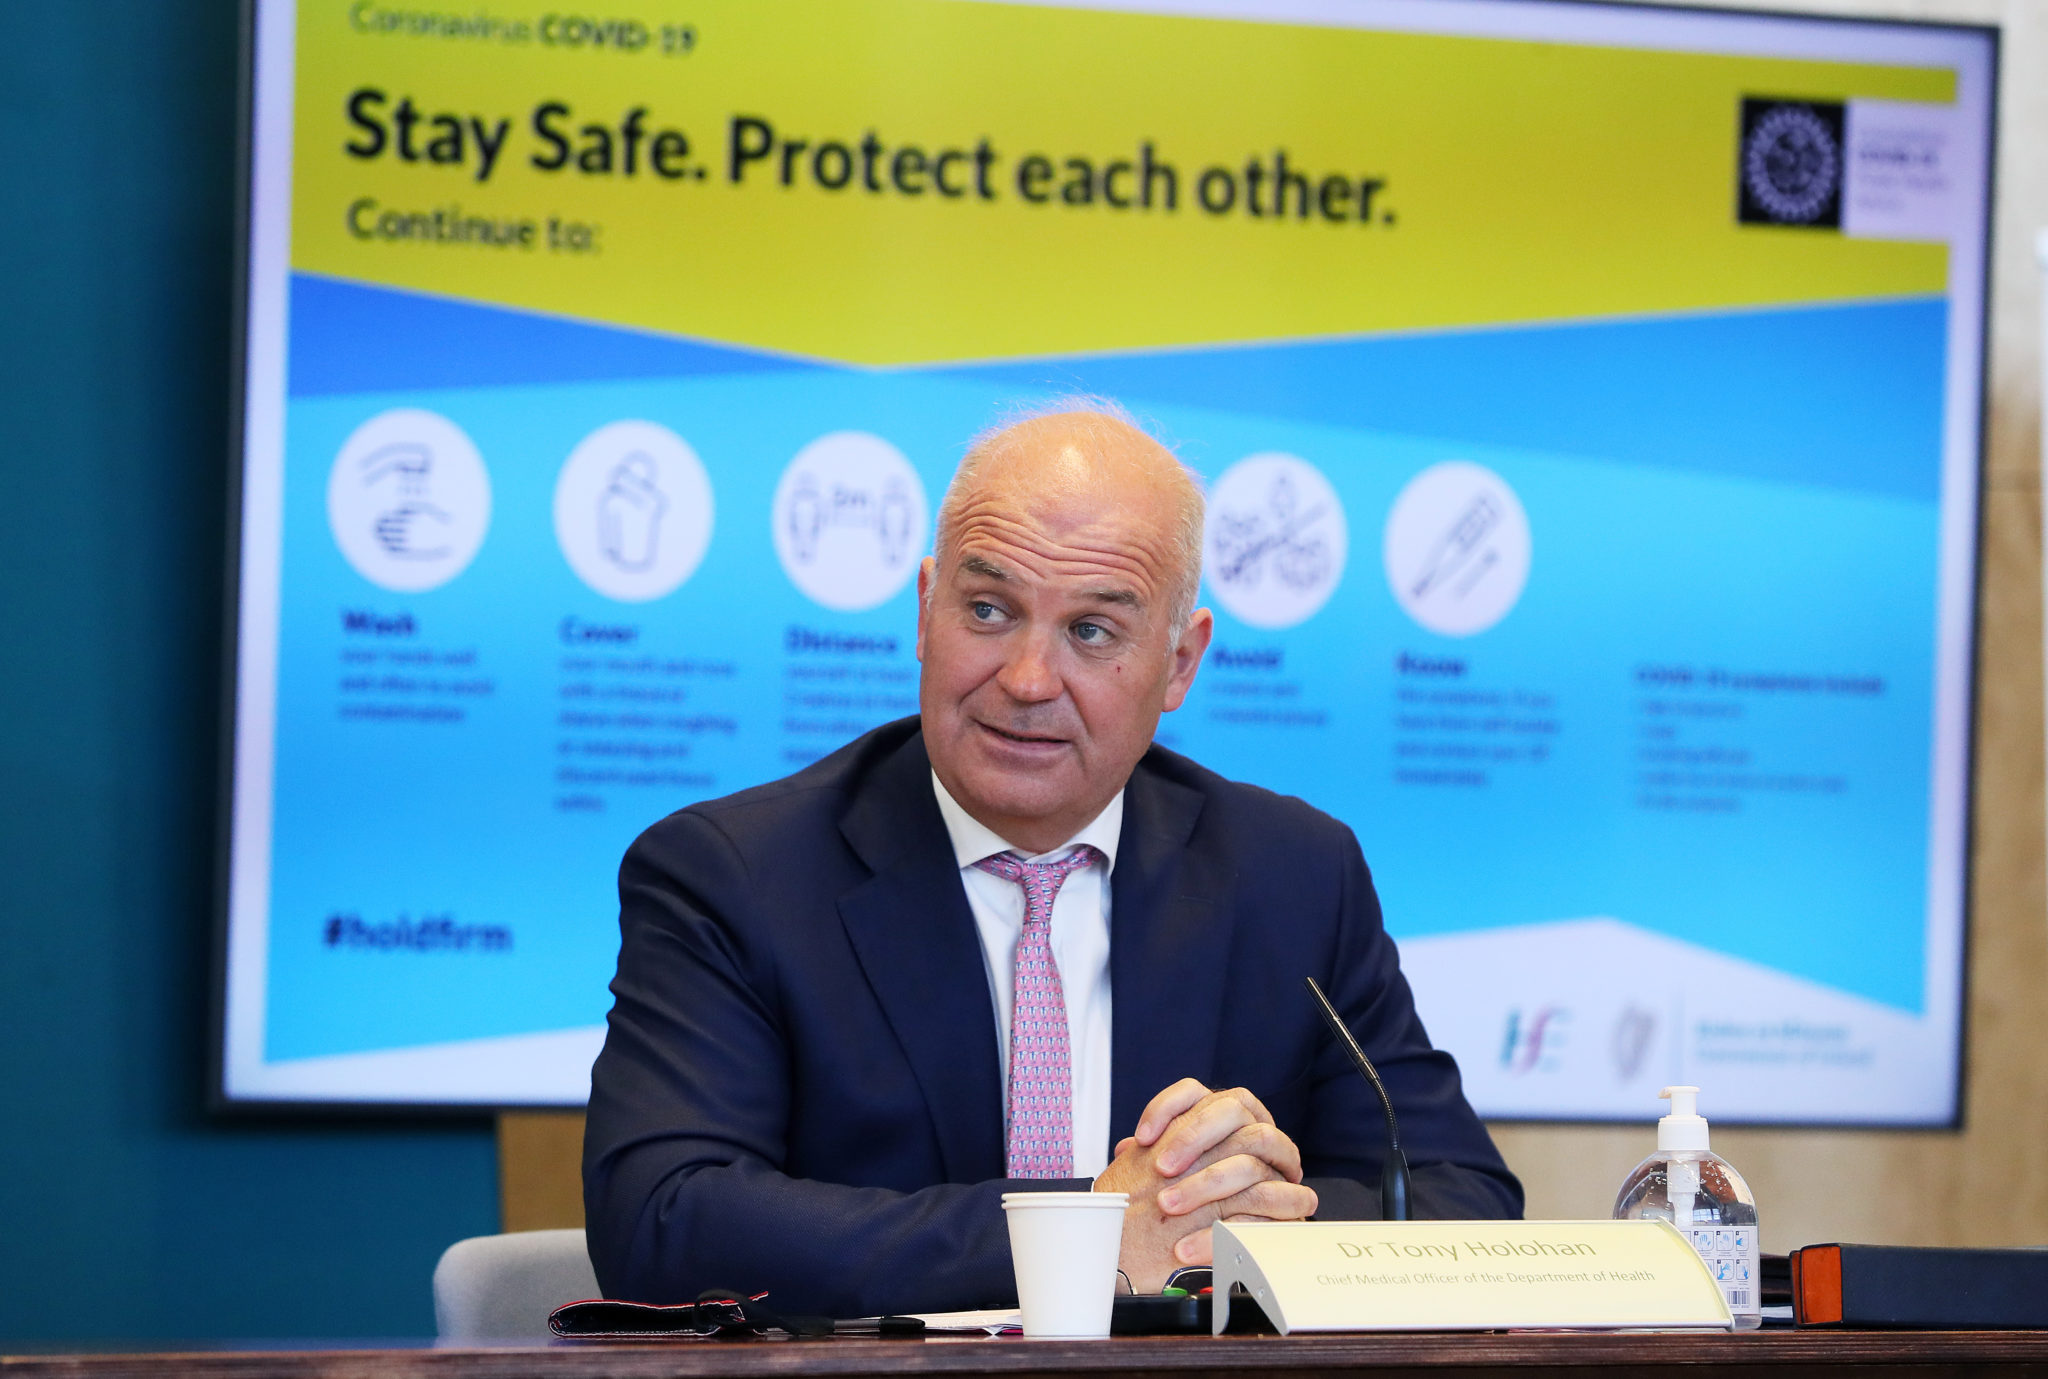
{"type": "Point", "coordinates": [1700, 1192]}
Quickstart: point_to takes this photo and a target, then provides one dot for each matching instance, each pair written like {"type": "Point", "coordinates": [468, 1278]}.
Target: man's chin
{"type": "Point", "coordinates": [1032, 790]}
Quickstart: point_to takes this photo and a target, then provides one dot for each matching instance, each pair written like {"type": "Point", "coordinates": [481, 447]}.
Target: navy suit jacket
{"type": "Point", "coordinates": [800, 1088]}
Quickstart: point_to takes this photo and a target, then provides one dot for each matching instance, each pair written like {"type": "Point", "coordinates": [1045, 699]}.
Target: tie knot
{"type": "Point", "coordinates": [1041, 880]}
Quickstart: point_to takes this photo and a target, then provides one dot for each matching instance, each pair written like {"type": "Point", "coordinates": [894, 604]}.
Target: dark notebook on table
{"type": "Point", "coordinates": [1931, 1289]}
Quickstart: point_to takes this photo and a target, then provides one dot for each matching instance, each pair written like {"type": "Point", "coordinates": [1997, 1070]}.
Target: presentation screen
{"type": "Point", "coordinates": [1587, 399]}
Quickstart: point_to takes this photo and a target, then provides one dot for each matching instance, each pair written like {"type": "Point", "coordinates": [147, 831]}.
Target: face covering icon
{"type": "Point", "coordinates": [629, 513]}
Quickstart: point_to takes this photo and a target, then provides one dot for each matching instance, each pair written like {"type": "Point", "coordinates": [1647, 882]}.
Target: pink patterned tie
{"type": "Point", "coordinates": [1041, 1115]}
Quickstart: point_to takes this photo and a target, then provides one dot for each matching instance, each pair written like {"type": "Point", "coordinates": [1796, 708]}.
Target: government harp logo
{"type": "Point", "coordinates": [1789, 169]}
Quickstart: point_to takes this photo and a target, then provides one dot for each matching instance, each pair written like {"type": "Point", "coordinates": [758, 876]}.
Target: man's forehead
{"type": "Point", "coordinates": [1105, 514]}
{"type": "Point", "coordinates": [1091, 504]}
{"type": "Point", "coordinates": [1097, 585]}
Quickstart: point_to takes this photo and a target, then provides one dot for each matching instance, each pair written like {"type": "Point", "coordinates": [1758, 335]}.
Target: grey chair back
{"type": "Point", "coordinates": [502, 1287]}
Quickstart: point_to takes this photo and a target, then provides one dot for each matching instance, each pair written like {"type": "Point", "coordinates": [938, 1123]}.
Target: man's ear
{"type": "Point", "coordinates": [1187, 657]}
{"type": "Point", "coordinates": [927, 577]}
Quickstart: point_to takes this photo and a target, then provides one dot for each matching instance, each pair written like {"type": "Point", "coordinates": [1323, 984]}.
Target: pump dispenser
{"type": "Point", "coordinates": [1685, 1127]}
{"type": "Point", "coordinates": [1701, 1194]}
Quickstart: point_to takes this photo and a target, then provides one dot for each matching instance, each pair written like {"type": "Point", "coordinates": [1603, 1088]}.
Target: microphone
{"type": "Point", "coordinates": [1394, 1175]}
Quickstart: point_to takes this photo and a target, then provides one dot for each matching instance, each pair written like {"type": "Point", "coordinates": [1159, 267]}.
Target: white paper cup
{"type": "Point", "coordinates": [1065, 1247]}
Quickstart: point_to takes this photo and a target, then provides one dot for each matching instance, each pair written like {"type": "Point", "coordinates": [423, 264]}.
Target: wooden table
{"type": "Point", "coordinates": [1815, 1354]}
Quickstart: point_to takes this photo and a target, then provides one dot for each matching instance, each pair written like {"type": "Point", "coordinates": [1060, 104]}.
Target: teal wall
{"type": "Point", "coordinates": [125, 1211]}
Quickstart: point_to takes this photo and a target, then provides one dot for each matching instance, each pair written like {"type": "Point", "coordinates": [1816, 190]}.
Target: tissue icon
{"type": "Point", "coordinates": [629, 513]}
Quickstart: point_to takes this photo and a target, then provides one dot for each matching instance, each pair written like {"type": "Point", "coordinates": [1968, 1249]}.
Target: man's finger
{"type": "Point", "coordinates": [1219, 1182]}
{"type": "Point", "coordinates": [1123, 1145]}
{"type": "Point", "coordinates": [1200, 1129]}
{"type": "Point", "coordinates": [1165, 1108]}
{"type": "Point", "coordinates": [1266, 1142]}
{"type": "Point", "coordinates": [1196, 1247]}
{"type": "Point", "coordinates": [1252, 1104]}
{"type": "Point", "coordinates": [1261, 1142]}
{"type": "Point", "coordinates": [1273, 1199]}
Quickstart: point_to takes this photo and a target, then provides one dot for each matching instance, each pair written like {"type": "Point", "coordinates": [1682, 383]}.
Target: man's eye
{"type": "Point", "coordinates": [1091, 633]}
{"type": "Point", "coordinates": [984, 612]}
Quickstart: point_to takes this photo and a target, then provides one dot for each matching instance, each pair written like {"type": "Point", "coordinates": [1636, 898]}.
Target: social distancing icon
{"type": "Point", "coordinates": [849, 521]}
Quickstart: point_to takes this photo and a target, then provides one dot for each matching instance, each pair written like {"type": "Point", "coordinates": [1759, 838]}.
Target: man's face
{"type": "Point", "coordinates": [1045, 646]}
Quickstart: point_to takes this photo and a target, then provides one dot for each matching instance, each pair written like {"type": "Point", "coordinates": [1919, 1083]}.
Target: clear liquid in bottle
{"type": "Point", "coordinates": [1701, 1194]}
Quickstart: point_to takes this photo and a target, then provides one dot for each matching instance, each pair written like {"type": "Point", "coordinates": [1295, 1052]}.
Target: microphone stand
{"type": "Point", "coordinates": [1394, 1174]}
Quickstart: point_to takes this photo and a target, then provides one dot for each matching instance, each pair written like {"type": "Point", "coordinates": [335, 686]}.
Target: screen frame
{"type": "Point", "coordinates": [221, 1098]}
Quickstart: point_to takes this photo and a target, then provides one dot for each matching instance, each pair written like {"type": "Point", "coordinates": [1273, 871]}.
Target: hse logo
{"type": "Point", "coordinates": [1790, 163]}
{"type": "Point", "coordinates": [1534, 1041]}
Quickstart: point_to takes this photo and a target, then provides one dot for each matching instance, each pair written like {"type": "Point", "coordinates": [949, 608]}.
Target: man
{"type": "Point", "coordinates": [972, 951]}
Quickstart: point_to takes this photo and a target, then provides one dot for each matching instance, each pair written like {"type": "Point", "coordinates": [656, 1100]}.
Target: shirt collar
{"type": "Point", "coordinates": [973, 840]}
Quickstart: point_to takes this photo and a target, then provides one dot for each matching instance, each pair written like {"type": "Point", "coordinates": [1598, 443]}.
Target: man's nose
{"type": "Point", "coordinates": [1030, 675]}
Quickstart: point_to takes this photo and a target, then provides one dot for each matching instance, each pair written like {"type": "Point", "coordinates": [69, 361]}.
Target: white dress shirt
{"type": "Point", "coordinates": [1080, 949]}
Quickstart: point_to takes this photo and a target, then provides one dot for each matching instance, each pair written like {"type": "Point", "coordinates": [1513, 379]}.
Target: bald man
{"type": "Point", "coordinates": [1008, 944]}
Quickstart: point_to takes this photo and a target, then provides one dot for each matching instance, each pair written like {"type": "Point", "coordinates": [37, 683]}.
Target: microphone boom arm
{"type": "Point", "coordinates": [1394, 1174]}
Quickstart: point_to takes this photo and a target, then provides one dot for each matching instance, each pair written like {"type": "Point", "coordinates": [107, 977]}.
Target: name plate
{"type": "Point", "coordinates": [1465, 1275]}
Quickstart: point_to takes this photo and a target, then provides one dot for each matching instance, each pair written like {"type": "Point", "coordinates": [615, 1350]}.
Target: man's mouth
{"type": "Point", "coordinates": [1024, 739]}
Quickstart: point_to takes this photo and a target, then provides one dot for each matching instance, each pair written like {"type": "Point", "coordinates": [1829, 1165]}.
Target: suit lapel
{"type": "Point", "coordinates": [1170, 929]}
{"type": "Point", "coordinates": [917, 945]}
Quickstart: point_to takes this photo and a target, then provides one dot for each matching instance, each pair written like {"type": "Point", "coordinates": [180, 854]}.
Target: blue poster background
{"type": "Point", "coordinates": [1753, 494]}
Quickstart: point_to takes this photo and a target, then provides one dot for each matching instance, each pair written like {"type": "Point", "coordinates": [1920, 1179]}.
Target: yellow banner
{"type": "Point", "coordinates": [901, 181]}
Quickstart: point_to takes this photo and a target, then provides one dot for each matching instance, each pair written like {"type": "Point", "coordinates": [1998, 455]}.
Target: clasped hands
{"type": "Point", "coordinates": [1200, 1157]}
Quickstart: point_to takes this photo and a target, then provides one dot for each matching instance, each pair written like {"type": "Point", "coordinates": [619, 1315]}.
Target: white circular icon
{"type": "Point", "coordinates": [849, 521]}
{"type": "Point", "coordinates": [408, 500]}
{"type": "Point", "coordinates": [1275, 541]}
{"type": "Point", "coordinates": [1457, 548]}
{"type": "Point", "coordinates": [633, 511]}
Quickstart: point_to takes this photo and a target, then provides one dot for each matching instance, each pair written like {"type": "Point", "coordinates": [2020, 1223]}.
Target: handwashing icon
{"type": "Point", "coordinates": [408, 500]}
{"type": "Point", "coordinates": [404, 531]}
{"type": "Point", "coordinates": [409, 463]}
